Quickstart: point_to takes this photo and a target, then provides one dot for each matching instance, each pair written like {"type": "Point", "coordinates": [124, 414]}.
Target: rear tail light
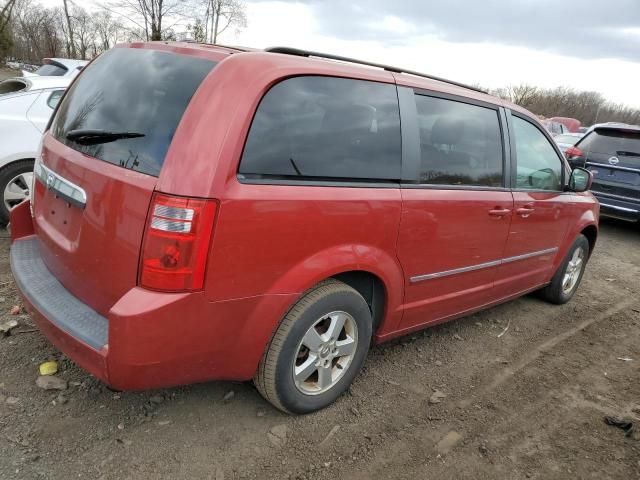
{"type": "Point", "coordinates": [37, 167]}
{"type": "Point", "coordinates": [573, 152]}
{"type": "Point", "coordinates": [176, 243]}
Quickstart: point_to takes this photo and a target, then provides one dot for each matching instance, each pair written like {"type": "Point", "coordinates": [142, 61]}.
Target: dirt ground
{"type": "Point", "coordinates": [528, 404]}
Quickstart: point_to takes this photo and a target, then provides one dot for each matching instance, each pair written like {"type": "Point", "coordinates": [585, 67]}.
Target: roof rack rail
{"type": "Point", "coordinates": [207, 44]}
{"type": "Point", "coordinates": [307, 53]}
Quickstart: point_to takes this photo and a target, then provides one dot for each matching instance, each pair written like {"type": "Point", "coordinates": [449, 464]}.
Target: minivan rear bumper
{"type": "Point", "coordinates": [148, 339]}
{"type": "Point", "coordinates": [69, 324]}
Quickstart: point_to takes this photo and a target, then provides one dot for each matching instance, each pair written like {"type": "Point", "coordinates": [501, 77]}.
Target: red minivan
{"type": "Point", "coordinates": [207, 213]}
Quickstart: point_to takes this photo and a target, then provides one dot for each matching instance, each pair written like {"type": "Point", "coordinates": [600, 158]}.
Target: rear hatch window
{"type": "Point", "coordinates": [51, 70]}
{"type": "Point", "coordinates": [126, 106]}
{"type": "Point", "coordinates": [623, 144]}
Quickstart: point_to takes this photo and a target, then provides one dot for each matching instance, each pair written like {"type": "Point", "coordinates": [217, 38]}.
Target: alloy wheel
{"type": "Point", "coordinates": [17, 190]}
{"type": "Point", "coordinates": [573, 271]}
{"type": "Point", "coordinates": [325, 353]}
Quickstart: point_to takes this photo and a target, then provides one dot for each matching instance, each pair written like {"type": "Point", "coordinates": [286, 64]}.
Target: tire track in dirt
{"type": "Point", "coordinates": [533, 453]}
{"type": "Point", "coordinates": [535, 353]}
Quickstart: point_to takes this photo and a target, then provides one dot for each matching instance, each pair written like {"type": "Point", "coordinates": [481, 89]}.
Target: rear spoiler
{"type": "Point", "coordinates": [51, 61]}
{"type": "Point", "coordinates": [618, 128]}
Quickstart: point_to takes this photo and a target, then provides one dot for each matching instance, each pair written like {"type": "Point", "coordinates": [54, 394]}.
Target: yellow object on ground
{"type": "Point", "coordinates": [49, 368]}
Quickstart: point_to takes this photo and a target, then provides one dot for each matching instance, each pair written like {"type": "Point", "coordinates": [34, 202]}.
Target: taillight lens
{"type": "Point", "coordinates": [573, 152]}
{"type": "Point", "coordinates": [176, 243]}
{"type": "Point", "coordinates": [37, 167]}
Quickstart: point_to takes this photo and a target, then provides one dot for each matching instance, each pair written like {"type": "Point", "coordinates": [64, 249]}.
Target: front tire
{"type": "Point", "coordinates": [317, 350]}
{"type": "Point", "coordinates": [569, 275]}
{"type": "Point", "coordinates": [15, 185]}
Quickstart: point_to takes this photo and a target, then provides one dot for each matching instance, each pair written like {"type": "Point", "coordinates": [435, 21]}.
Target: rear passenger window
{"type": "Point", "coordinates": [325, 127]}
{"type": "Point", "coordinates": [54, 98]}
{"type": "Point", "coordinates": [538, 165]}
{"type": "Point", "coordinates": [460, 144]}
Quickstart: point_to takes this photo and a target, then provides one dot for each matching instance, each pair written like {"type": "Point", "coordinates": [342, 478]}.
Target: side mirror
{"type": "Point", "coordinates": [580, 180]}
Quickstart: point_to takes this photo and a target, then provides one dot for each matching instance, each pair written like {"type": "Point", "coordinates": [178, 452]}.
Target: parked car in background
{"type": "Point", "coordinates": [611, 151]}
{"type": "Point", "coordinates": [212, 213]}
{"type": "Point", "coordinates": [567, 140]}
{"type": "Point", "coordinates": [554, 128]}
{"type": "Point", "coordinates": [571, 124]}
{"type": "Point", "coordinates": [26, 104]}
{"type": "Point", "coordinates": [58, 67]}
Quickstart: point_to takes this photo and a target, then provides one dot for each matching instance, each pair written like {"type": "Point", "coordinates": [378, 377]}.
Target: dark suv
{"type": "Point", "coordinates": [612, 152]}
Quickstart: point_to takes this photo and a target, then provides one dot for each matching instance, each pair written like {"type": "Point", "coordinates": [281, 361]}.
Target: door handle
{"type": "Point", "coordinates": [499, 212]}
{"type": "Point", "coordinates": [525, 211]}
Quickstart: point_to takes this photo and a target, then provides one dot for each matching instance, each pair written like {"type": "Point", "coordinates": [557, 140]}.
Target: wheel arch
{"type": "Point", "coordinates": [8, 162]}
{"type": "Point", "coordinates": [591, 232]}
{"type": "Point", "coordinates": [586, 223]}
{"type": "Point", "coordinates": [372, 289]}
{"type": "Point", "coordinates": [5, 178]}
{"type": "Point", "coordinates": [371, 271]}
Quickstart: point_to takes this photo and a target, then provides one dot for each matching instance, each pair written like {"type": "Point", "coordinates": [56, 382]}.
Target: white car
{"type": "Point", "coordinates": [58, 67]}
{"type": "Point", "coordinates": [566, 140]}
{"type": "Point", "coordinates": [26, 104]}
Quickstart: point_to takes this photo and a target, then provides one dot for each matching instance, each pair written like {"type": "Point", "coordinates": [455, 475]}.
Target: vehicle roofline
{"type": "Point", "coordinates": [403, 77]}
{"type": "Point", "coordinates": [407, 78]}
{"type": "Point", "coordinates": [615, 126]}
{"type": "Point", "coordinates": [389, 68]}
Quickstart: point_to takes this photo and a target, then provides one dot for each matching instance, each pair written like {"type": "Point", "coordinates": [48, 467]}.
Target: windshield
{"type": "Point", "coordinates": [148, 95]}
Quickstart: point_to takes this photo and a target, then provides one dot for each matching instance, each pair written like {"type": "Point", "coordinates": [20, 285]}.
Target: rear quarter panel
{"type": "Point", "coordinates": [275, 239]}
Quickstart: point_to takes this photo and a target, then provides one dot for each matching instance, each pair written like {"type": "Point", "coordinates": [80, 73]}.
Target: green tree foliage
{"type": "Point", "coordinates": [198, 31]}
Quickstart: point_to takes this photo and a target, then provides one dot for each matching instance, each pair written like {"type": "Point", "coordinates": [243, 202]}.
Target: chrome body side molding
{"type": "Point", "coordinates": [539, 253]}
{"type": "Point", "coordinates": [470, 268]}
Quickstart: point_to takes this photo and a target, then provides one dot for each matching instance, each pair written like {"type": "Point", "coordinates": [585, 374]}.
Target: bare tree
{"type": "Point", "coordinates": [36, 33]}
{"type": "Point", "coordinates": [108, 29]}
{"type": "Point", "coordinates": [85, 32]}
{"type": "Point", "coordinates": [523, 95]}
{"type": "Point", "coordinates": [5, 14]}
{"type": "Point", "coordinates": [588, 107]}
{"type": "Point", "coordinates": [72, 46]}
{"type": "Point", "coordinates": [149, 15]}
{"type": "Point", "coordinates": [6, 38]}
{"type": "Point", "coordinates": [222, 14]}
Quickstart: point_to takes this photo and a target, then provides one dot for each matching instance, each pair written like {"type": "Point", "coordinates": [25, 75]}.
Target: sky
{"type": "Point", "coordinates": [583, 44]}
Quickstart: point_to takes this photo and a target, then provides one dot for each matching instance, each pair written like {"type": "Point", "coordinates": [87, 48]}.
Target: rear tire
{"type": "Point", "coordinates": [567, 278]}
{"type": "Point", "coordinates": [14, 181]}
{"type": "Point", "coordinates": [317, 350]}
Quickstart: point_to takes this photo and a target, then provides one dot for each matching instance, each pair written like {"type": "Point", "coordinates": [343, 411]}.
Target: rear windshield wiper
{"type": "Point", "coordinates": [93, 137]}
{"type": "Point", "coordinates": [627, 154]}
